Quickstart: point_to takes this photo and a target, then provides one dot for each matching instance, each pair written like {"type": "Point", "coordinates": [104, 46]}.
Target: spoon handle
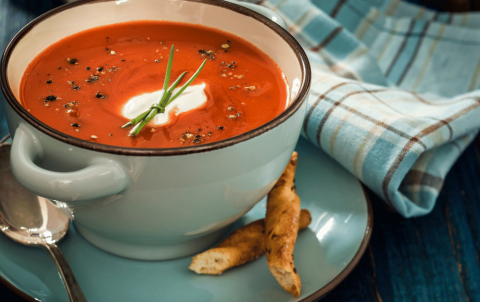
{"type": "Point", "coordinates": [73, 289]}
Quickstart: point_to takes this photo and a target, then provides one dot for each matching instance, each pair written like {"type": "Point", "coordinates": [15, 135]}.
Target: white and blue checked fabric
{"type": "Point", "coordinates": [394, 94]}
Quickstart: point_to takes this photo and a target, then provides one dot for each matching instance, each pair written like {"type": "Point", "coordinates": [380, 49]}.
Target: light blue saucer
{"type": "Point", "coordinates": [325, 253]}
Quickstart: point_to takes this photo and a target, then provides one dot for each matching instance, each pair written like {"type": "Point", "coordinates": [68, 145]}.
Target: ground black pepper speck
{"type": "Point", "coordinates": [100, 95]}
{"type": "Point", "coordinates": [50, 98]}
{"type": "Point", "coordinates": [93, 79]}
{"type": "Point", "coordinates": [72, 61]}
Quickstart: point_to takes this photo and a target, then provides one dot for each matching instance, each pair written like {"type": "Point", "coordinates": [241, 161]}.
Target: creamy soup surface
{"type": "Point", "coordinates": [91, 83]}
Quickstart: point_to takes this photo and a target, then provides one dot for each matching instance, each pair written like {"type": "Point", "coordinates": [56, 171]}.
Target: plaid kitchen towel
{"type": "Point", "coordinates": [393, 95]}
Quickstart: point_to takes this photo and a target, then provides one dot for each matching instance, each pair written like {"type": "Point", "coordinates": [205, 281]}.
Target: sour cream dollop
{"type": "Point", "coordinates": [192, 98]}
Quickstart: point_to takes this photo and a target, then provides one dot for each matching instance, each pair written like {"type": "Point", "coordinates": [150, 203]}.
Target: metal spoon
{"type": "Point", "coordinates": [32, 220]}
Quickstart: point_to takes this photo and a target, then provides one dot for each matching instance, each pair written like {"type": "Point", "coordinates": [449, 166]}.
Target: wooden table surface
{"type": "Point", "coordinates": [432, 258]}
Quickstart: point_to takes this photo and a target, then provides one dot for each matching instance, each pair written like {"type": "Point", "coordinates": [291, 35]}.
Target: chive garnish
{"type": "Point", "coordinates": [164, 100]}
{"type": "Point", "coordinates": [187, 83]}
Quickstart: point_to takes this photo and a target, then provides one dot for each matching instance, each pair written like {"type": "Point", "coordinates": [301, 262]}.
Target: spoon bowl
{"type": "Point", "coordinates": [32, 220]}
{"type": "Point", "coordinates": [27, 218]}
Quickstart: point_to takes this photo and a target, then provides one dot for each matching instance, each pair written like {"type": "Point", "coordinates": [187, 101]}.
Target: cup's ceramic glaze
{"type": "Point", "coordinates": [153, 204]}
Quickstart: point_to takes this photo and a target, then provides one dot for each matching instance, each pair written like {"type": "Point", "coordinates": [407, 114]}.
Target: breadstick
{"type": "Point", "coordinates": [242, 246]}
{"type": "Point", "coordinates": [281, 225]}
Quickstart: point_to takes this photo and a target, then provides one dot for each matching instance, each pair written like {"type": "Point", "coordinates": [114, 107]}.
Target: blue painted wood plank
{"type": "Point", "coordinates": [463, 219]}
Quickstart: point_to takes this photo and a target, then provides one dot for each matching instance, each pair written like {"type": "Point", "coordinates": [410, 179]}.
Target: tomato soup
{"type": "Point", "coordinates": [82, 84]}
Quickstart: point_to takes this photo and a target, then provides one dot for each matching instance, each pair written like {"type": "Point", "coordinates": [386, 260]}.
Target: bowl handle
{"type": "Point", "coordinates": [102, 177]}
{"type": "Point", "coordinates": [270, 14]}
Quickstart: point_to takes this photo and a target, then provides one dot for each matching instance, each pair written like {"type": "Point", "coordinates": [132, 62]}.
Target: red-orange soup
{"type": "Point", "coordinates": [80, 84]}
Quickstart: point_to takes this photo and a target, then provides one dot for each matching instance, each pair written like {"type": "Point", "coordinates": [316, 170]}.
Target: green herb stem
{"type": "Point", "coordinates": [169, 68]}
{"type": "Point", "coordinates": [187, 83]}
{"type": "Point", "coordinates": [137, 119]}
{"type": "Point", "coordinates": [170, 90]}
{"type": "Point", "coordinates": [138, 128]}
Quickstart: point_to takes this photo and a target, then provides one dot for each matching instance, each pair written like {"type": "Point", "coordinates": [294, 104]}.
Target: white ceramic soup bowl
{"type": "Point", "coordinates": [153, 204]}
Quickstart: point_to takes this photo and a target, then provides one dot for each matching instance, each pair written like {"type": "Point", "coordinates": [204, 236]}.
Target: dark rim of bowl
{"type": "Point", "coordinates": [287, 113]}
